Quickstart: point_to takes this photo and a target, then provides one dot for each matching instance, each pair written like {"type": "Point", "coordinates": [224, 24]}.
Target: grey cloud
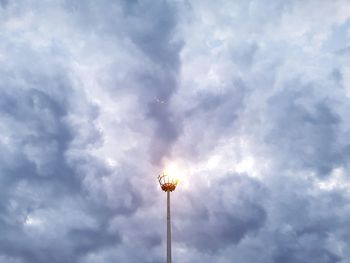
{"type": "Point", "coordinates": [155, 37]}
{"type": "Point", "coordinates": [49, 125]}
{"type": "Point", "coordinates": [95, 96]}
{"type": "Point", "coordinates": [221, 214]}
{"type": "Point", "coordinates": [309, 132]}
{"type": "Point", "coordinates": [149, 30]}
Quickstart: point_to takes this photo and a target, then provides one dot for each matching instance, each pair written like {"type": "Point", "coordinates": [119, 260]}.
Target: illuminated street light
{"type": "Point", "coordinates": [168, 184]}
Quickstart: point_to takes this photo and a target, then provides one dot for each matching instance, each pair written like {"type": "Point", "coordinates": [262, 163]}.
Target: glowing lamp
{"type": "Point", "coordinates": [167, 182]}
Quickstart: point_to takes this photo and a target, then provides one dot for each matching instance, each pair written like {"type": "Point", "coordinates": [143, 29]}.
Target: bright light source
{"type": "Point", "coordinates": [174, 172]}
{"type": "Point", "coordinates": [167, 182]}
{"type": "Point", "coordinates": [171, 176]}
{"type": "Point", "coordinates": [180, 171]}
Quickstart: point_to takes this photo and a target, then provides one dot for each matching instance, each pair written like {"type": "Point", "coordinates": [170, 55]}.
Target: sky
{"type": "Point", "coordinates": [247, 101]}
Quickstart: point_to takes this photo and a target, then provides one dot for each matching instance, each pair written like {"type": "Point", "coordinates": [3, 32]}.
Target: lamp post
{"type": "Point", "coordinates": [168, 184]}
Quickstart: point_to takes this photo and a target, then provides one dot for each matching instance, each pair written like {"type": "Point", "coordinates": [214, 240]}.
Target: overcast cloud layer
{"type": "Point", "coordinates": [250, 100]}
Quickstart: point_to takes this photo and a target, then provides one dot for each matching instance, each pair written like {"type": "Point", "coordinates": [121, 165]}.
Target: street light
{"type": "Point", "coordinates": [168, 184]}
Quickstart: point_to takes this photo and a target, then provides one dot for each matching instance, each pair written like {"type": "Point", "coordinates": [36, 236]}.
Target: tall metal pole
{"type": "Point", "coordinates": [168, 244]}
{"type": "Point", "coordinates": [168, 184]}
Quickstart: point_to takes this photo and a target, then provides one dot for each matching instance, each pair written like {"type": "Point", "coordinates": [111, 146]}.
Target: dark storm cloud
{"type": "Point", "coordinates": [35, 175]}
{"type": "Point", "coordinates": [251, 97]}
{"type": "Point", "coordinates": [309, 235]}
{"type": "Point", "coordinates": [293, 115]}
{"type": "Point", "coordinates": [150, 29]}
{"type": "Point", "coordinates": [221, 217]}
{"type": "Point", "coordinates": [58, 200]}
{"type": "Point", "coordinates": [153, 33]}
{"type": "Point", "coordinates": [307, 134]}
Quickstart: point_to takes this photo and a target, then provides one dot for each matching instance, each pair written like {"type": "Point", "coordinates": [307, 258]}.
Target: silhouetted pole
{"type": "Point", "coordinates": [168, 184]}
{"type": "Point", "coordinates": [168, 242]}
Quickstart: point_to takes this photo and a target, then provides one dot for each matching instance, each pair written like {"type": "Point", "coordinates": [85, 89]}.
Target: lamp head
{"type": "Point", "coordinates": [167, 182]}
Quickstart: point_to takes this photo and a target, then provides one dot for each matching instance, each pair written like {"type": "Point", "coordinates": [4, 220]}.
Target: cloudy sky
{"type": "Point", "coordinates": [249, 101]}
